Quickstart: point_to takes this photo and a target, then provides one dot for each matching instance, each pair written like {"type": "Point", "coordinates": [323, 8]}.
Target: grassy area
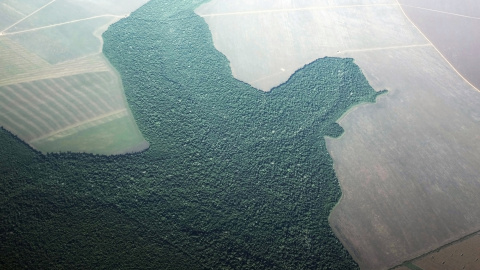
{"type": "Point", "coordinates": [71, 113]}
{"type": "Point", "coordinates": [54, 79]}
{"type": "Point", "coordinates": [14, 59]}
{"type": "Point", "coordinates": [114, 134]}
{"type": "Point", "coordinates": [65, 42]}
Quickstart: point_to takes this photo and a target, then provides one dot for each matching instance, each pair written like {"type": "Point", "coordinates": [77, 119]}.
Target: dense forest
{"type": "Point", "coordinates": [235, 178]}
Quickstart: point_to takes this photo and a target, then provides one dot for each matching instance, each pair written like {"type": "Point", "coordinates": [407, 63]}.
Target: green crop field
{"type": "Point", "coordinates": [14, 59]}
{"type": "Point", "coordinates": [47, 114]}
{"type": "Point", "coordinates": [13, 11]}
{"type": "Point", "coordinates": [57, 91]}
{"type": "Point", "coordinates": [64, 42]}
{"type": "Point", "coordinates": [109, 134]}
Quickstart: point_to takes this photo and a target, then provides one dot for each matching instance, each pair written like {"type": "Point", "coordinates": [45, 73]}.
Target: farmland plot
{"type": "Point", "coordinates": [24, 8]}
{"type": "Point", "coordinates": [462, 255]}
{"type": "Point", "coordinates": [90, 64]}
{"type": "Point", "coordinates": [410, 185]}
{"type": "Point", "coordinates": [9, 15]}
{"type": "Point", "coordinates": [43, 110]}
{"type": "Point", "coordinates": [57, 91]}
{"type": "Point", "coordinates": [15, 60]}
{"type": "Point", "coordinates": [453, 29]}
{"type": "Point", "coordinates": [65, 42]}
{"type": "Point", "coordinates": [266, 42]}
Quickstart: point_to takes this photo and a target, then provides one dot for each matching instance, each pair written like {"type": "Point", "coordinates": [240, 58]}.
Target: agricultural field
{"type": "Point", "coordinates": [462, 255]}
{"type": "Point", "coordinates": [407, 165]}
{"type": "Point", "coordinates": [13, 11]}
{"type": "Point", "coordinates": [55, 83]}
{"type": "Point", "coordinates": [418, 170]}
{"type": "Point", "coordinates": [453, 29]}
{"type": "Point", "coordinates": [267, 41]}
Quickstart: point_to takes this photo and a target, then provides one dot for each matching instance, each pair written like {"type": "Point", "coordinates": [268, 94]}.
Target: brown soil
{"type": "Point", "coordinates": [462, 255]}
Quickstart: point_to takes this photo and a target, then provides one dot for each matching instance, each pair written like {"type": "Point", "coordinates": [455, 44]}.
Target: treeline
{"type": "Point", "coordinates": [235, 178]}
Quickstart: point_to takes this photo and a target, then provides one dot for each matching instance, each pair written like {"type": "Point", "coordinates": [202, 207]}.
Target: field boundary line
{"type": "Point", "coordinates": [27, 132]}
{"type": "Point", "coordinates": [433, 45]}
{"type": "Point", "coordinates": [13, 9]}
{"type": "Point", "coordinates": [83, 65]}
{"type": "Point", "coordinates": [386, 48]}
{"type": "Point", "coordinates": [28, 16]}
{"type": "Point", "coordinates": [32, 107]}
{"type": "Point", "coordinates": [443, 12]}
{"type": "Point", "coordinates": [452, 243]}
{"type": "Point", "coordinates": [26, 120]}
{"type": "Point", "coordinates": [60, 24]}
{"type": "Point", "coordinates": [90, 120]}
{"type": "Point", "coordinates": [290, 10]}
{"type": "Point", "coordinates": [268, 76]}
{"type": "Point", "coordinates": [349, 51]}
{"type": "Point", "coordinates": [52, 73]}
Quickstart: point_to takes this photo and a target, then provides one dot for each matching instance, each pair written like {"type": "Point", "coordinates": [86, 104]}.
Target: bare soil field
{"type": "Point", "coordinates": [408, 165]}
{"type": "Point", "coordinates": [464, 8]}
{"type": "Point", "coordinates": [454, 30]}
{"type": "Point", "coordinates": [462, 255]}
{"type": "Point", "coordinates": [266, 45]}
{"type": "Point", "coordinates": [54, 81]}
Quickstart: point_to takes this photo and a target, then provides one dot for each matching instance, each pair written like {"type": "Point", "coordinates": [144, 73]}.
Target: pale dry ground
{"type": "Point", "coordinates": [266, 41]}
{"type": "Point", "coordinates": [55, 82]}
{"type": "Point", "coordinates": [462, 255]}
{"type": "Point", "coordinates": [469, 8]}
{"type": "Point", "coordinates": [408, 165]}
{"type": "Point", "coordinates": [454, 28]}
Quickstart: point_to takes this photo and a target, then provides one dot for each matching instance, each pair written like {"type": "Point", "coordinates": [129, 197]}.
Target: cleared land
{"type": "Point", "coordinates": [266, 42]}
{"type": "Point", "coordinates": [408, 165]}
{"type": "Point", "coordinates": [58, 92]}
{"type": "Point", "coordinates": [14, 11]}
{"type": "Point", "coordinates": [462, 255]}
{"type": "Point", "coordinates": [453, 29]}
{"type": "Point", "coordinates": [466, 8]}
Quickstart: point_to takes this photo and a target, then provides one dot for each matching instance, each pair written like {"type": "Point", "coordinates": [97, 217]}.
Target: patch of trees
{"type": "Point", "coordinates": [235, 178]}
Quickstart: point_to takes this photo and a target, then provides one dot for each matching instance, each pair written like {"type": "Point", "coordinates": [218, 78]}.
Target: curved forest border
{"type": "Point", "coordinates": [235, 178]}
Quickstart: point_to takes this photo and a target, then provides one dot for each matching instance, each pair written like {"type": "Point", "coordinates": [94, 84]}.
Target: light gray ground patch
{"type": "Point", "coordinates": [58, 92]}
{"type": "Point", "coordinates": [408, 165]}
{"type": "Point", "coordinates": [267, 45]}
{"type": "Point", "coordinates": [454, 29]}
{"type": "Point", "coordinates": [465, 7]}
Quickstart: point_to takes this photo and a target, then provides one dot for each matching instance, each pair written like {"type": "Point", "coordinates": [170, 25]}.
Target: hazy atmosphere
{"type": "Point", "coordinates": [240, 134]}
